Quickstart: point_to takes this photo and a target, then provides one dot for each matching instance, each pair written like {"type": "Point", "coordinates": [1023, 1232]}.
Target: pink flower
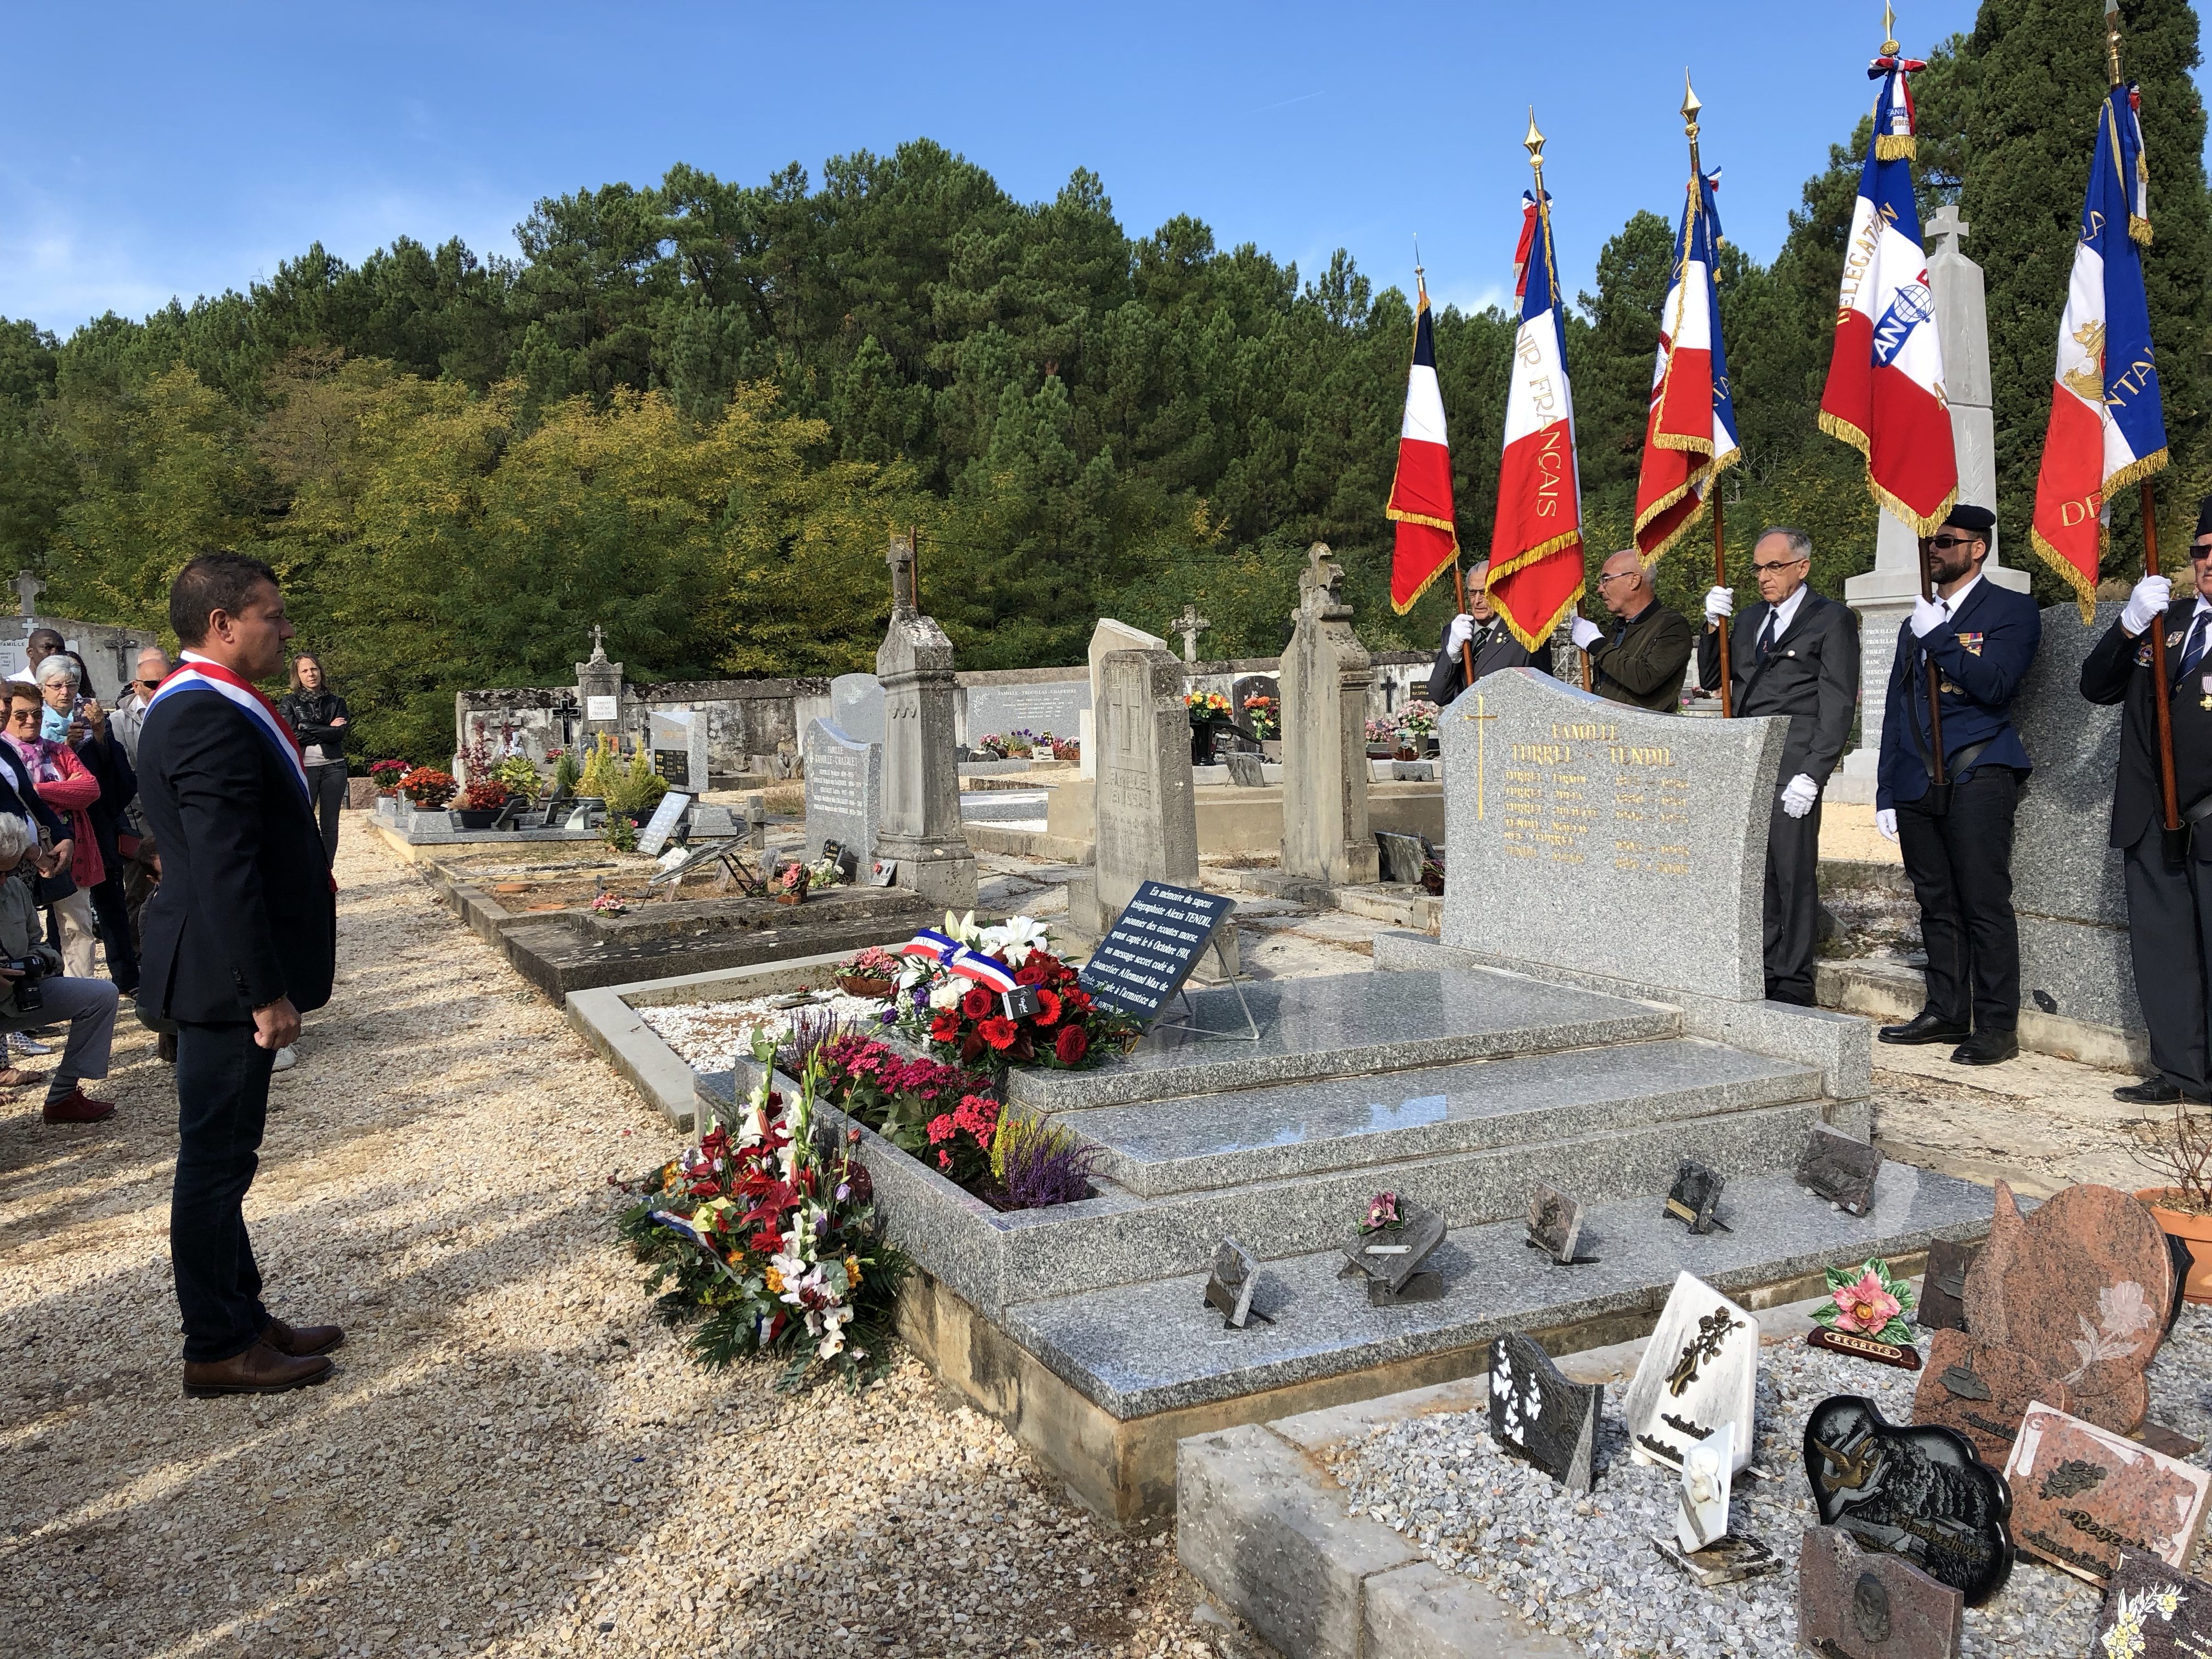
{"type": "Point", "coordinates": [1865, 1307]}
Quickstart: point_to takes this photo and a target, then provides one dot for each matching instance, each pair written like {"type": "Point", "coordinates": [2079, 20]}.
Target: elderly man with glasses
{"type": "Point", "coordinates": [1956, 836]}
{"type": "Point", "coordinates": [153, 667]}
{"type": "Point", "coordinates": [1795, 655]}
{"type": "Point", "coordinates": [1640, 660]}
{"type": "Point", "coordinates": [2169, 882]}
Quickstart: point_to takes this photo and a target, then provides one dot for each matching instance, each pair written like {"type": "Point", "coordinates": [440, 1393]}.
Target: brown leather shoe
{"type": "Point", "coordinates": [303, 1341]}
{"type": "Point", "coordinates": [259, 1369]}
{"type": "Point", "coordinates": [78, 1107]}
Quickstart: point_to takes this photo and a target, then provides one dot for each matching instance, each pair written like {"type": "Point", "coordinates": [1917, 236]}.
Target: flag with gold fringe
{"type": "Point", "coordinates": [1689, 438]}
{"type": "Point", "coordinates": [1426, 538]}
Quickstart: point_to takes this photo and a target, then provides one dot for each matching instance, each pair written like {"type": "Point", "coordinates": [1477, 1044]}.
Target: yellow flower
{"type": "Point", "coordinates": [775, 1282]}
{"type": "Point", "coordinates": [851, 1270]}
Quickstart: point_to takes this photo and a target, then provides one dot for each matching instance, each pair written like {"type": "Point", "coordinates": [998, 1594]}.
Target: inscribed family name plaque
{"type": "Point", "coordinates": [1697, 1373]}
{"type": "Point", "coordinates": [2080, 1492]}
{"type": "Point", "coordinates": [1695, 1198]}
{"type": "Point", "coordinates": [1920, 1493]}
{"type": "Point", "coordinates": [1153, 945]}
{"type": "Point", "coordinates": [1538, 1416]}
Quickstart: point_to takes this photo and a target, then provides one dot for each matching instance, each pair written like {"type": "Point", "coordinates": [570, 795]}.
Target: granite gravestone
{"type": "Point", "coordinates": [1694, 1200]}
{"type": "Point", "coordinates": [1835, 1167]}
{"type": "Point", "coordinates": [2152, 1612]}
{"type": "Point", "coordinates": [1230, 1286]}
{"type": "Point", "coordinates": [920, 832]}
{"type": "Point", "coordinates": [1943, 1287]}
{"type": "Point", "coordinates": [1245, 770]}
{"type": "Point", "coordinates": [1564, 813]}
{"type": "Point", "coordinates": [844, 790]}
{"type": "Point", "coordinates": [1327, 674]}
{"type": "Point", "coordinates": [678, 737]}
{"type": "Point", "coordinates": [1855, 1603]}
{"type": "Point", "coordinates": [1982, 1390]}
{"type": "Point", "coordinates": [2083, 1285]}
{"type": "Point", "coordinates": [1920, 1493]}
{"type": "Point", "coordinates": [599, 693]}
{"type": "Point", "coordinates": [1697, 1373]}
{"type": "Point", "coordinates": [2079, 1492]}
{"type": "Point", "coordinates": [1054, 705]}
{"type": "Point", "coordinates": [856, 707]}
{"type": "Point", "coordinates": [1147, 806]}
{"type": "Point", "coordinates": [1538, 1416]}
{"type": "Point", "coordinates": [1401, 856]}
{"type": "Point", "coordinates": [1701, 1513]}
{"type": "Point", "coordinates": [1555, 1225]}
{"type": "Point", "coordinates": [1392, 1246]}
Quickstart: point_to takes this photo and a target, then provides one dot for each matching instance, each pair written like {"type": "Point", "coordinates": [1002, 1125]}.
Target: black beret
{"type": "Point", "coordinates": [2205, 517]}
{"type": "Point", "coordinates": [1979, 519]}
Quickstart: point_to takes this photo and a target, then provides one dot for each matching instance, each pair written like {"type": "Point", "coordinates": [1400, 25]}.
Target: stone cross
{"type": "Point", "coordinates": [599, 642]}
{"type": "Point", "coordinates": [900, 559]}
{"type": "Point", "coordinates": [1946, 222]}
{"type": "Point", "coordinates": [1190, 625]}
{"type": "Point", "coordinates": [27, 588]}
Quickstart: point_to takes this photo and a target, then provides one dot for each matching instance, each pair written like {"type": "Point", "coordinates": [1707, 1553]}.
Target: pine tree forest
{"type": "Point", "coordinates": [690, 412]}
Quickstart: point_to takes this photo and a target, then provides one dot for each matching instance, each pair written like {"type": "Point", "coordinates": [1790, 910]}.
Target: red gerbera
{"type": "Point", "coordinates": [1047, 1006]}
{"type": "Point", "coordinates": [1071, 1044]}
{"type": "Point", "coordinates": [976, 1003]}
{"type": "Point", "coordinates": [945, 1027]}
{"type": "Point", "coordinates": [999, 1033]}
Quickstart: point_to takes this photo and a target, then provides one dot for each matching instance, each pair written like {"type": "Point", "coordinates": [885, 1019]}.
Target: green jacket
{"type": "Point", "coordinates": [1641, 662]}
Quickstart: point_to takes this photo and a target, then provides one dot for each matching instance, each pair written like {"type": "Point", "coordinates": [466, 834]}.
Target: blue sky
{"type": "Point", "coordinates": [149, 151]}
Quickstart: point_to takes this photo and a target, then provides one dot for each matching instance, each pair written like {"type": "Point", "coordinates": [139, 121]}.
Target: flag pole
{"type": "Point", "coordinates": [2162, 699]}
{"type": "Point", "coordinates": [1534, 143]}
{"type": "Point", "coordinates": [1691, 106]}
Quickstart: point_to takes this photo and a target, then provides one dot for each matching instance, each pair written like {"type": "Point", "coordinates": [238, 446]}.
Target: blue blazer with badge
{"type": "Point", "coordinates": [1982, 655]}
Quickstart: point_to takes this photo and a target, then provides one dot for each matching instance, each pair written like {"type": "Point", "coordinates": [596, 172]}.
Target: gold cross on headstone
{"type": "Point", "coordinates": [1481, 721]}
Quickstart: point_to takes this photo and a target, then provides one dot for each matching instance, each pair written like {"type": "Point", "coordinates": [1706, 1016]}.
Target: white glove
{"type": "Point", "coordinates": [1799, 794]}
{"type": "Point", "coordinates": [1461, 631]}
{"type": "Point", "coordinates": [1885, 820]}
{"type": "Point", "coordinates": [2146, 604]}
{"type": "Point", "coordinates": [1927, 618]}
{"type": "Point", "coordinates": [1587, 633]}
{"type": "Point", "coordinates": [1719, 602]}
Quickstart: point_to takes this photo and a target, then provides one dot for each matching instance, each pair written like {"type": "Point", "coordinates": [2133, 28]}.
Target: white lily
{"type": "Point", "coordinates": [1012, 940]}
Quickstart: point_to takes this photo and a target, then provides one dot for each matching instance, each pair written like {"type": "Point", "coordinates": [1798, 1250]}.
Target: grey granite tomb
{"type": "Point", "coordinates": [1588, 835]}
{"type": "Point", "coordinates": [844, 790]}
{"type": "Point", "coordinates": [1037, 708]}
{"type": "Point", "coordinates": [856, 705]}
{"type": "Point", "coordinates": [922, 781]}
{"type": "Point", "coordinates": [1327, 674]}
{"type": "Point", "coordinates": [1147, 807]}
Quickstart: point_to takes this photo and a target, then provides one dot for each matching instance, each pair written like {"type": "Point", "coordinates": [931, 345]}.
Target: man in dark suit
{"type": "Point", "coordinates": [240, 939]}
{"type": "Point", "coordinates": [1957, 839]}
{"type": "Point", "coordinates": [1639, 662]}
{"type": "Point", "coordinates": [1483, 632]}
{"type": "Point", "coordinates": [1796, 655]}
{"type": "Point", "coordinates": [2169, 900]}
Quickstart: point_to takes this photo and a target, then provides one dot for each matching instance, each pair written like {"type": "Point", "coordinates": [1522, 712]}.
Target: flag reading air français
{"type": "Point", "coordinates": [2107, 419]}
{"type": "Point", "coordinates": [1690, 437]}
{"type": "Point", "coordinates": [1885, 390]}
{"type": "Point", "coordinates": [1421, 494]}
{"type": "Point", "coordinates": [1536, 539]}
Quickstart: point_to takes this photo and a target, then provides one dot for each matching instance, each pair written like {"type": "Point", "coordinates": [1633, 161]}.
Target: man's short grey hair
{"type": "Point", "coordinates": [1800, 543]}
{"type": "Point", "coordinates": [16, 839]}
{"type": "Point", "coordinates": [57, 667]}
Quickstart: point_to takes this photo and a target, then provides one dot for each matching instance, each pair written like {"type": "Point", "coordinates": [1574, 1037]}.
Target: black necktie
{"type": "Point", "coordinates": [1766, 636]}
{"type": "Point", "coordinates": [2192, 650]}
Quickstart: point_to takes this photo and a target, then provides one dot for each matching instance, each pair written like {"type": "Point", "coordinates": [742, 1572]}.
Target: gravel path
{"type": "Point", "coordinates": [513, 1459]}
{"type": "Point", "coordinates": [1584, 1567]}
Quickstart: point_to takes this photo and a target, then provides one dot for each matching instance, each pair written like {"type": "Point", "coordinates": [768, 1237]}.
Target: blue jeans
{"type": "Point", "coordinates": [222, 1109]}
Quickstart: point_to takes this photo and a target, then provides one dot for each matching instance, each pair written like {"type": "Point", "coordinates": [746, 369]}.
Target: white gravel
{"type": "Point", "coordinates": [712, 1036]}
{"type": "Point", "coordinates": [514, 1458]}
{"type": "Point", "coordinates": [1585, 1568]}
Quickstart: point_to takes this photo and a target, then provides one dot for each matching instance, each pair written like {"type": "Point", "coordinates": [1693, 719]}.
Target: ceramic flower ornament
{"type": "Point", "coordinates": [1867, 1301]}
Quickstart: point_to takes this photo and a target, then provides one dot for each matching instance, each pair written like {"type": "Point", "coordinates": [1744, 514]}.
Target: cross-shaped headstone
{"type": "Point", "coordinates": [1946, 222]}
{"type": "Point", "coordinates": [598, 643]}
{"type": "Point", "coordinates": [1190, 625]}
{"type": "Point", "coordinates": [27, 588]}
{"type": "Point", "coordinates": [900, 559]}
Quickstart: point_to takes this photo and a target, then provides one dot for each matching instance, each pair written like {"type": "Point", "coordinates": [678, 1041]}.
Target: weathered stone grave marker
{"type": "Point", "coordinates": [856, 707]}
{"type": "Point", "coordinates": [1327, 674]}
{"type": "Point", "coordinates": [1147, 807]}
{"type": "Point", "coordinates": [1694, 1200]}
{"type": "Point", "coordinates": [920, 832]}
{"type": "Point", "coordinates": [1856, 1603]}
{"type": "Point", "coordinates": [1555, 1226]}
{"type": "Point", "coordinates": [1229, 1287]}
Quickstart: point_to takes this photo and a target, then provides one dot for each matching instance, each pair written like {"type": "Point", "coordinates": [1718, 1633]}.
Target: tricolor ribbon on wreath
{"type": "Point", "coordinates": [962, 959]}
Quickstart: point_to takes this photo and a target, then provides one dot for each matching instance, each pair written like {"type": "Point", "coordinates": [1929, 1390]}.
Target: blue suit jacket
{"type": "Point", "coordinates": [1982, 655]}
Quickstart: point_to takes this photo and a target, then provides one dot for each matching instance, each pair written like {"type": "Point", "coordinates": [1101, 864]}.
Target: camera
{"type": "Point", "coordinates": [29, 999]}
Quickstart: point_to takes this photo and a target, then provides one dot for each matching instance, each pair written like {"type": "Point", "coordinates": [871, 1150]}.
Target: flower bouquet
{"type": "Point", "coordinates": [873, 972]}
{"type": "Point", "coordinates": [610, 904]}
{"type": "Point", "coordinates": [770, 1236]}
{"type": "Point", "coordinates": [1205, 706]}
{"type": "Point", "coordinates": [387, 775]}
{"type": "Point", "coordinates": [967, 1022]}
{"type": "Point", "coordinates": [1262, 717]}
{"type": "Point", "coordinates": [788, 885]}
{"type": "Point", "coordinates": [429, 788]}
{"type": "Point", "coordinates": [1418, 719]}
{"type": "Point", "coordinates": [1864, 1316]}
{"type": "Point", "coordinates": [992, 744]}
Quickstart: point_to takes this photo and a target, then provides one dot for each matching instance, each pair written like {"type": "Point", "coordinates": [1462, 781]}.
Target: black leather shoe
{"type": "Point", "coordinates": [1987, 1048]}
{"type": "Point", "coordinates": [1923, 1027]}
{"type": "Point", "coordinates": [2151, 1091]}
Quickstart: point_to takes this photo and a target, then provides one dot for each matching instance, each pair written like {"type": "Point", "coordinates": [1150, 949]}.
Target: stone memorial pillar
{"type": "Point", "coordinates": [1325, 676]}
{"type": "Point", "coordinates": [922, 781]}
{"type": "Point", "coordinates": [599, 693]}
{"type": "Point", "coordinates": [1884, 596]}
{"type": "Point", "coordinates": [1147, 802]}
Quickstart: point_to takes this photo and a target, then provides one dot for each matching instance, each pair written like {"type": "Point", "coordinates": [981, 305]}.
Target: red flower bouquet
{"type": "Point", "coordinates": [1068, 1030]}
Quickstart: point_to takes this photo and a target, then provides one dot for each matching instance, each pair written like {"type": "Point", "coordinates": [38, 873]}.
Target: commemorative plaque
{"type": "Point", "coordinates": [1153, 945]}
{"type": "Point", "coordinates": [1920, 1493]}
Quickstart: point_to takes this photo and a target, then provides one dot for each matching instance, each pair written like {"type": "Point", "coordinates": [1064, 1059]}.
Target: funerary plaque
{"type": "Point", "coordinates": [1606, 812]}
{"type": "Point", "coordinates": [1857, 1603]}
{"type": "Point", "coordinates": [1943, 1287]}
{"type": "Point", "coordinates": [1982, 1391]}
{"type": "Point", "coordinates": [1725, 1561]}
{"type": "Point", "coordinates": [1228, 1288]}
{"type": "Point", "coordinates": [1697, 1373]}
{"type": "Point", "coordinates": [1695, 1198]}
{"type": "Point", "coordinates": [1840, 1168]}
{"type": "Point", "coordinates": [1396, 1238]}
{"type": "Point", "coordinates": [1920, 1493]}
{"type": "Point", "coordinates": [1153, 945]}
{"type": "Point", "coordinates": [2152, 1612]}
{"type": "Point", "coordinates": [1538, 1415]}
{"type": "Point", "coordinates": [1555, 1225]}
{"type": "Point", "coordinates": [2082, 1283]}
{"type": "Point", "coordinates": [2079, 1494]}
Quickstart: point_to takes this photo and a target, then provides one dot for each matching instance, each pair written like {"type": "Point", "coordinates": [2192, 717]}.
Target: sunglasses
{"type": "Point", "coordinates": [1947, 543]}
{"type": "Point", "coordinates": [150, 685]}
{"type": "Point", "coordinates": [2201, 550]}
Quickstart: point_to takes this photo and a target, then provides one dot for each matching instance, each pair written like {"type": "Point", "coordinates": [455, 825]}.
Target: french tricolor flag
{"type": "Point", "coordinates": [1421, 494]}
{"type": "Point", "coordinates": [1536, 538]}
{"type": "Point", "coordinates": [1885, 390]}
{"type": "Point", "coordinates": [1689, 439]}
{"type": "Point", "coordinates": [2107, 419]}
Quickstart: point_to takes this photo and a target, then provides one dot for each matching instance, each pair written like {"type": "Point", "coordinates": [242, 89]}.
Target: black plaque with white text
{"type": "Point", "coordinates": [1152, 948]}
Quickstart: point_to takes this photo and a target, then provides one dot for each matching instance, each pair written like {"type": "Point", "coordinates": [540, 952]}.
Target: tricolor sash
{"type": "Point", "coordinates": [964, 960]}
{"type": "Point", "coordinates": [196, 673]}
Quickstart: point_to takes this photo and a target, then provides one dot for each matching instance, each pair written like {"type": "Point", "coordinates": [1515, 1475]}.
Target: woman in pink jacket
{"type": "Point", "coordinates": [66, 784]}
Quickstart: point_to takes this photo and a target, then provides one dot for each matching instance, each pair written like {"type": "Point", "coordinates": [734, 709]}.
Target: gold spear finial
{"type": "Point", "coordinates": [1534, 143]}
{"type": "Point", "coordinates": [2112, 38]}
{"type": "Point", "coordinates": [1889, 47]}
{"type": "Point", "coordinates": [1689, 105]}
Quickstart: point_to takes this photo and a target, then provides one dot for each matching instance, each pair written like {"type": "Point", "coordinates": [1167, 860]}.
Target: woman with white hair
{"type": "Point", "coordinates": [68, 787]}
{"type": "Point", "coordinates": [33, 993]}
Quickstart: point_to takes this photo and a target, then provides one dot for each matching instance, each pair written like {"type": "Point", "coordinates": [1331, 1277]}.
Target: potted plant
{"type": "Point", "coordinates": [387, 774]}
{"type": "Point", "coordinates": [2182, 1203]}
{"type": "Point", "coordinates": [789, 884]}
{"type": "Point", "coordinates": [428, 789]}
{"type": "Point", "coordinates": [1416, 724]}
{"type": "Point", "coordinates": [481, 804]}
{"type": "Point", "coordinates": [873, 972]}
{"type": "Point", "coordinates": [1382, 738]}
